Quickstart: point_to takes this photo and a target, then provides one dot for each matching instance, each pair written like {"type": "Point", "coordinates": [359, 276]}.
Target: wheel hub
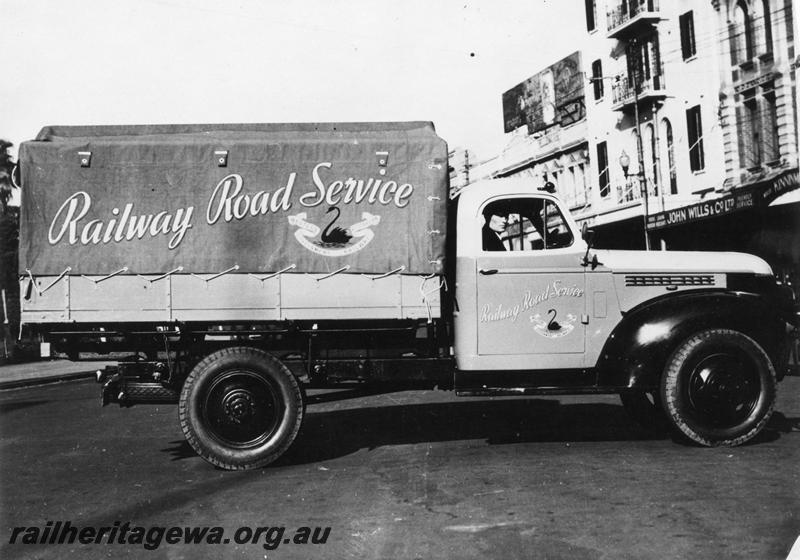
{"type": "Point", "coordinates": [241, 408]}
{"type": "Point", "coordinates": [722, 389]}
{"type": "Point", "coordinates": [239, 405]}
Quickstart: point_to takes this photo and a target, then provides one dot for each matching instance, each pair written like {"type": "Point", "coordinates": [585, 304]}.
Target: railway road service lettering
{"type": "Point", "coordinates": [355, 191]}
{"type": "Point", "coordinates": [491, 313]}
{"type": "Point", "coordinates": [229, 200]}
{"type": "Point", "coordinates": [121, 226]}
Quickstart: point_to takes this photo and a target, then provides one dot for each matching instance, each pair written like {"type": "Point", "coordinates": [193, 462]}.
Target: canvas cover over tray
{"type": "Point", "coordinates": [155, 198]}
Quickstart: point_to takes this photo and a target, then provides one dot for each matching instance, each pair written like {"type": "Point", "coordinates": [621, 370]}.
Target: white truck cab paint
{"type": "Point", "coordinates": [528, 303]}
{"type": "Point", "coordinates": [539, 303]}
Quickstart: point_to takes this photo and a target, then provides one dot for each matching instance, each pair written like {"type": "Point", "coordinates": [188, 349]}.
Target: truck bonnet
{"type": "Point", "coordinates": [682, 262]}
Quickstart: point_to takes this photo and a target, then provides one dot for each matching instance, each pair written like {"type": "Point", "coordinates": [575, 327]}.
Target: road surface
{"type": "Point", "coordinates": [419, 474]}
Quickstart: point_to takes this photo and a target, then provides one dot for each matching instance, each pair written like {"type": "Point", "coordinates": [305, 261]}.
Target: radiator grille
{"type": "Point", "coordinates": [669, 280]}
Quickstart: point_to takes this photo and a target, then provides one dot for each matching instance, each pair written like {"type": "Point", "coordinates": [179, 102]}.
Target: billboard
{"type": "Point", "coordinates": [553, 96]}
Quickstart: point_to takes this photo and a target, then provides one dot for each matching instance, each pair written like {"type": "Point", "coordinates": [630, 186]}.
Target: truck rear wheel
{"type": "Point", "coordinates": [719, 388]}
{"type": "Point", "coordinates": [240, 408]}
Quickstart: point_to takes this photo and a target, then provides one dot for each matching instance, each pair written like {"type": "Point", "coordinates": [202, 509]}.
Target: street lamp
{"type": "Point", "coordinates": [625, 164]}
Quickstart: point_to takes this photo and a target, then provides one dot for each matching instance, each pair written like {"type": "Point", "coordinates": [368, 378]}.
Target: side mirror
{"type": "Point", "coordinates": [587, 234]}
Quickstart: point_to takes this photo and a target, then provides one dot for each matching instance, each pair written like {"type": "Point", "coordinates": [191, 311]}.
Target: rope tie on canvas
{"type": "Point", "coordinates": [107, 276]}
{"type": "Point", "coordinates": [165, 275]}
{"type": "Point", "coordinates": [390, 273]}
{"type": "Point", "coordinates": [425, 293]}
{"type": "Point", "coordinates": [54, 282]}
{"type": "Point", "coordinates": [217, 275]}
{"type": "Point", "coordinates": [334, 273]}
{"type": "Point", "coordinates": [274, 274]}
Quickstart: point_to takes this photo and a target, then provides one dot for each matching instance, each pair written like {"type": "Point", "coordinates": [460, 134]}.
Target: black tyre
{"type": "Point", "coordinates": [645, 408]}
{"type": "Point", "coordinates": [719, 388]}
{"type": "Point", "coordinates": [240, 408]}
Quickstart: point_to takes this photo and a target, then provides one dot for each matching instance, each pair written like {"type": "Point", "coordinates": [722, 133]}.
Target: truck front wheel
{"type": "Point", "coordinates": [240, 408]}
{"type": "Point", "coordinates": [719, 388]}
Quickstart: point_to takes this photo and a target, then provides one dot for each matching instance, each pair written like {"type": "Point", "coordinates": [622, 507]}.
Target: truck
{"type": "Point", "coordinates": [231, 268]}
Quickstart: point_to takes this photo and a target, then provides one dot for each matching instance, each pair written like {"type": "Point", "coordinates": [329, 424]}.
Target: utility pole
{"type": "Point", "coordinates": [796, 64]}
{"type": "Point", "coordinates": [639, 149]}
{"type": "Point", "coordinates": [624, 160]}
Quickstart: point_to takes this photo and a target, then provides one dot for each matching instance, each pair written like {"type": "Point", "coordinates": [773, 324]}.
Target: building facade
{"type": "Point", "coordinates": [459, 170]}
{"type": "Point", "coordinates": [682, 134]}
{"type": "Point", "coordinates": [653, 124]}
{"type": "Point", "coordinates": [755, 209]}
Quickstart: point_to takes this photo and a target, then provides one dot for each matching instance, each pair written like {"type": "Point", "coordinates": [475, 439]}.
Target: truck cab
{"type": "Point", "coordinates": [698, 336]}
{"type": "Point", "coordinates": [522, 302]}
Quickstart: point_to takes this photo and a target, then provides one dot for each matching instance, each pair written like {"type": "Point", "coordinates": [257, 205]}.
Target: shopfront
{"type": "Point", "coordinates": [762, 218]}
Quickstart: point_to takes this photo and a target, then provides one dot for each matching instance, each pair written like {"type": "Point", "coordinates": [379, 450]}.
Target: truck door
{"type": "Point", "coordinates": [530, 283]}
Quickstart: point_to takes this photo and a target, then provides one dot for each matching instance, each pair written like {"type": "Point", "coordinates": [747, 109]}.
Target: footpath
{"type": "Point", "coordinates": [46, 371]}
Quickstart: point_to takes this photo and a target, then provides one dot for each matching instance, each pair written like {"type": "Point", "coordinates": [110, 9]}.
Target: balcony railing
{"type": "Point", "coordinates": [623, 92]}
{"type": "Point", "coordinates": [627, 13]}
{"type": "Point", "coordinates": [630, 190]}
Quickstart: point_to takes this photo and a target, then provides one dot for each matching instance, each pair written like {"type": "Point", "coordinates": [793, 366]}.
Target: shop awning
{"type": "Point", "coordinates": [760, 193]}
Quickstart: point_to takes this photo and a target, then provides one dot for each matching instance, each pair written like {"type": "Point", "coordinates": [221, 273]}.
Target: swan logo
{"type": "Point", "coordinates": [333, 241]}
{"type": "Point", "coordinates": [553, 328]}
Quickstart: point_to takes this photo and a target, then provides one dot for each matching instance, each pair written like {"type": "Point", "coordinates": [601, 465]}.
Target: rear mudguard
{"type": "Point", "coordinates": [636, 352]}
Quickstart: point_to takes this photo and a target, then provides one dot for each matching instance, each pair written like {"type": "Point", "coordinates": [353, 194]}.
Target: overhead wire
{"type": "Point", "coordinates": [718, 36]}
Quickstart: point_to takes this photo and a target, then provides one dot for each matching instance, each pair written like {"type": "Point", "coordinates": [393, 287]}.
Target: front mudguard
{"type": "Point", "coordinates": [636, 352]}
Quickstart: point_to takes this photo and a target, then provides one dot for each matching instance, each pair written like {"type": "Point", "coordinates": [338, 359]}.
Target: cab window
{"type": "Point", "coordinates": [524, 224]}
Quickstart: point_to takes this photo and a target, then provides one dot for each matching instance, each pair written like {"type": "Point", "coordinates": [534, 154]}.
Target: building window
{"type": "Point", "coordinates": [757, 122]}
{"type": "Point", "coordinates": [670, 145]}
{"type": "Point", "coordinates": [752, 133]}
{"type": "Point", "coordinates": [591, 15]}
{"type": "Point", "coordinates": [741, 34]}
{"type": "Point", "coordinates": [688, 45]}
{"type": "Point", "coordinates": [579, 179]}
{"type": "Point", "coordinates": [602, 169]}
{"type": "Point", "coordinates": [651, 157]}
{"type": "Point", "coordinates": [770, 126]}
{"type": "Point", "coordinates": [747, 125]}
{"type": "Point", "coordinates": [644, 63]}
{"type": "Point", "coordinates": [567, 185]}
{"type": "Point", "coordinates": [767, 27]}
{"type": "Point", "coordinates": [597, 79]}
{"type": "Point", "coordinates": [694, 125]}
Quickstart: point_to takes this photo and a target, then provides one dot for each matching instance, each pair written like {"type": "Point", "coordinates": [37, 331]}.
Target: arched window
{"type": "Point", "coordinates": [580, 184]}
{"type": "Point", "coordinates": [757, 20]}
{"type": "Point", "coordinates": [742, 36]}
{"type": "Point", "coordinates": [650, 158]}
{"type": "Point", "coordinates": [669, 146]}
{"type": "Point", "coordinates": [767, 20]}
